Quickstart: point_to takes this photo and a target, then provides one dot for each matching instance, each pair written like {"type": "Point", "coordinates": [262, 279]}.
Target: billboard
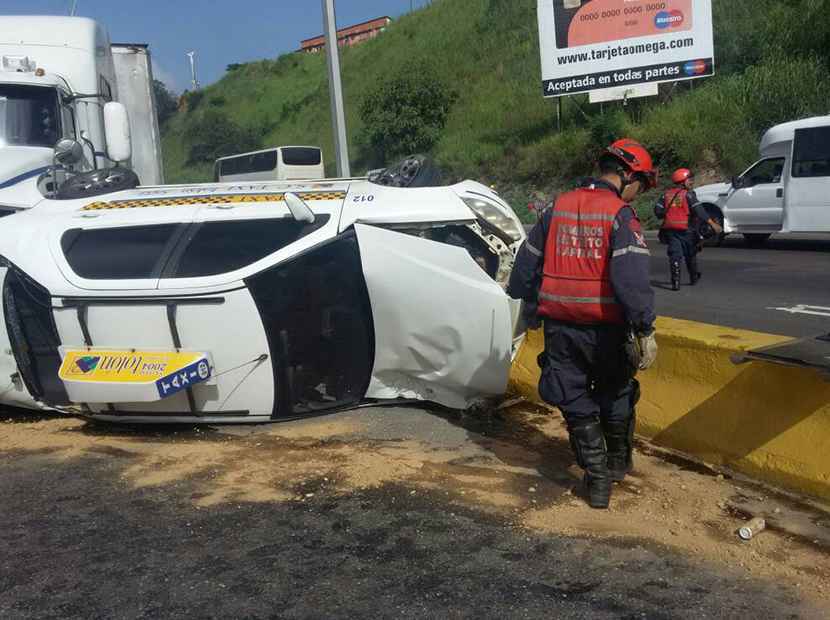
{"type": "Point", "coordinates": [597, 44]}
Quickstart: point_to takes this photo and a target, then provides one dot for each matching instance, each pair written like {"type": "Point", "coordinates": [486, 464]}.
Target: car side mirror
{"type": "Point", "coordinates": [299, 209]}
{"type": "Point", "coordinates": [737, 182]}
{"type": "Point", "coordinates": [117, 131]}
{"type": "Point", "coordinates": [68, 152]}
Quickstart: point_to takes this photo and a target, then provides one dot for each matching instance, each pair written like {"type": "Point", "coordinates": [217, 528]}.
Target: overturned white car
{"type": "Point", "coordinates": [257, 302]}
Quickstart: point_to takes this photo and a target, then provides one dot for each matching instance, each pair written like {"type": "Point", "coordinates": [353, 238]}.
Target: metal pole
{"type": "Point", "coordinates": [192, 56]}
{"type": "Point", "coordinates": [559, 114]}
{"type": "Point", "coordinates": [338, 115]}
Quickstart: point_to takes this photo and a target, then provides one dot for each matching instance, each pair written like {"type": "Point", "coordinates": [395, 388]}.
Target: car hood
{"type": "Point", "coordinates": [712, 192]}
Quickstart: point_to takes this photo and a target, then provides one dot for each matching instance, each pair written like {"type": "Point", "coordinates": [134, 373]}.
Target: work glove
{"type": "Point", "coordinates": [716, 227]}
{"type": "Point", "coordinates": [647, 347]}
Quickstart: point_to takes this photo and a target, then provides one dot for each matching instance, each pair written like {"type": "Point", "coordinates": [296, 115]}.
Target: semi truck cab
{"type": "Point", "coordinates": [57, 75]}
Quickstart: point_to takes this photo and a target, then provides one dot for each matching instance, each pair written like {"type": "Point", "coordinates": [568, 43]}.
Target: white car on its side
{"type": "Point", "coordinates": [257, 302]}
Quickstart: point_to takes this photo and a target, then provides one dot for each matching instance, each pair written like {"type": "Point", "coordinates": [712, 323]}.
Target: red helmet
{"type": "Point", "coordinates": [681, 176]}
{"type": "Point", "coordinates": [636, 158]}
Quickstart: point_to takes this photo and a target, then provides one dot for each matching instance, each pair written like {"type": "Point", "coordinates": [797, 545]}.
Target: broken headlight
{"type": "Point", "coordinates": [495, 217]}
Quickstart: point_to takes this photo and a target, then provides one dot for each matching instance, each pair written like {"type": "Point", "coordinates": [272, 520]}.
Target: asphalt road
{"type": "Point", "coordinates": [104, 522]}
{"type": "Point", "coordinates": [747, 288]}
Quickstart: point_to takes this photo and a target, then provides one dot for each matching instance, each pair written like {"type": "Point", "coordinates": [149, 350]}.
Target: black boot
{"type": "Point", "coordinates": [619, 437]}
{"type": "Point", "coordinates": [674, 269]}
{"type": "Point", "coordinates": [588, 445]}
{"type": "Point", "coordinates": [694, 274]}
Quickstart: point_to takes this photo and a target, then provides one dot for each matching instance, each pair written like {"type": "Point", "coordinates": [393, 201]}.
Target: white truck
{"type": "Point", "coordinates": [57, 77]}
{"type": "Point", "coordinates": [786, 191]}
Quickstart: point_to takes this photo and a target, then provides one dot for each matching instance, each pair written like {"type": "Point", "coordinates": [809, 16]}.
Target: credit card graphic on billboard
{"type": "Point", "coordinates": [588, 22]}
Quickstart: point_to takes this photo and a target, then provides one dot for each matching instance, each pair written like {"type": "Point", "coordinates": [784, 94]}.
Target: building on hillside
{"type": "Point", "coordinates": [351, 35]}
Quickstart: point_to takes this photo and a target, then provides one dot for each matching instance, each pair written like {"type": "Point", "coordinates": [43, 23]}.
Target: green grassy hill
{"type": "Point", "coordinates": [771, 59]}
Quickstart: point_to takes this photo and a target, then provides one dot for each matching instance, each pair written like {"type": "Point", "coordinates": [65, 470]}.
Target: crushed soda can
{"type": "Point", "coordinates": [753, 527]}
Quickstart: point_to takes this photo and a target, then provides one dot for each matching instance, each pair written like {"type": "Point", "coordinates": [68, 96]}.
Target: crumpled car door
{"type": "Point", "coordinates": [443, 328]}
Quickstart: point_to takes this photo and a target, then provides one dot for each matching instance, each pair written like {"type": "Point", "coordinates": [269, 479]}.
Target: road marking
{"type": "Point", "coordinates": [805, 309]}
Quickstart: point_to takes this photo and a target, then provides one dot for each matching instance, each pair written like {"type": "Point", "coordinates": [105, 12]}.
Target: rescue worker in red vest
{"type": "Point", "coordinates": [679, 208]}
{"type": "Point", "coordinates": [584, 270]}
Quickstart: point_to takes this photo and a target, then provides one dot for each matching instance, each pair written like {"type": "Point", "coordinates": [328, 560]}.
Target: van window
{"type": "Point", "coordinates": [131, 253]}
{"type": "Point", "coordinates": [221, 247]}
{"type": "Point", "coordinates": [765, 171]}
{"type": "Point", "coordinates": [811, 152]}
{"type": "Point", "coordinates": [301, 156]}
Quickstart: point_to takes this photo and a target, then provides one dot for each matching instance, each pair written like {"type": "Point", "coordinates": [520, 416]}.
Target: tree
{"type": "Point", "coordinates": [406, 114]}
{"type": "Point", "coordinates": [166, 105]}
{"type": "Point", "coordinates": [212, 134]}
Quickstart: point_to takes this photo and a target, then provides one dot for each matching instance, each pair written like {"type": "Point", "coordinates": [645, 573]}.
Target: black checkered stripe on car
{"type": "Point", "coordinates": [141, 203]}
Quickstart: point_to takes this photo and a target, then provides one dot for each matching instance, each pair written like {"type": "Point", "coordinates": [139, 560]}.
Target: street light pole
{"type": "Point", "coordinates": [192, 56]}
{"type": "Point", "coordinates": [338, 115]}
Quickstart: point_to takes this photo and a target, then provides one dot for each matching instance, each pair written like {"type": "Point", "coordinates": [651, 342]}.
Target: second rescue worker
{"type": "Point", "coordinates": [586, 265]}
{"type": "Point", "coordinates": [679, 209]}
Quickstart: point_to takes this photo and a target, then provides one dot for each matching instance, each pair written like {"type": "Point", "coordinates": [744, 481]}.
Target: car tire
{"type": "Point", "coordinates": [97, 183]}
{"type": "Point", "coordinates": [756, 240]}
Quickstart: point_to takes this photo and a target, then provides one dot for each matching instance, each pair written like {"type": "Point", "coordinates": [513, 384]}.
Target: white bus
{"type": "Point", "coordinates": [282, 163]}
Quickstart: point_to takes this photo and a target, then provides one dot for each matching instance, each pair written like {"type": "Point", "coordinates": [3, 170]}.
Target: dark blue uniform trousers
{"type": "Point", "coordinates": [682, 245]}
{"type": "Point", "coordinates": [586, 373]}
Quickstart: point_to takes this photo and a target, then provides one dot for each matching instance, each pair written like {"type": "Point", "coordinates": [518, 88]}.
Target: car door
{"type": "Point", "coordinates": [442, 326]}
{"type": "Point", "coordinates": [758, 199]}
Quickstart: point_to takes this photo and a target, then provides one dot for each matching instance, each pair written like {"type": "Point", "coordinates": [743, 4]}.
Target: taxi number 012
{"type": "Point", "coordinates": [363, 198]}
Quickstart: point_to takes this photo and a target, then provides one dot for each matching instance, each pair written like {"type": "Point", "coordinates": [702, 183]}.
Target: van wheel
{"type": "Point", "coordinates": [756, 240]}
{"type": "Point", "coordinates": [710, 239]}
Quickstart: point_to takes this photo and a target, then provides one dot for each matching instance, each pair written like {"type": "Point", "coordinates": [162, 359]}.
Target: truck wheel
{"type": "Point", "coordinates": [756, 240]}
{"type": "Point", "coordinates": [98, 182]}
{"type": "Point", "coordinates": [710, 238]}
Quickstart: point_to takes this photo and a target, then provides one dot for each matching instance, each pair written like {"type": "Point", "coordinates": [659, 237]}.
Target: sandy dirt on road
{"type": "Point", "coordinates": [661, 502]}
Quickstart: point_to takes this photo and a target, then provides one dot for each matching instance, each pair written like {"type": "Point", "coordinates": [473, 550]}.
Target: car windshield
{"type": "Point", "coordinates": [28, 115]}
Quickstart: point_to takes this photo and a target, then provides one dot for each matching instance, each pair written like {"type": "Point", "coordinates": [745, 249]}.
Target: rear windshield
{"type": "Point", "coordinates": [246, 164]}
{"type": "Point", "coordinates": [811, 152]}
{"type": "Point", "coordinates": [118, 253]}
{"type": "Point", "coordinates": [221, 247]}
{"type": "Point", "coordinates": [301, 156]}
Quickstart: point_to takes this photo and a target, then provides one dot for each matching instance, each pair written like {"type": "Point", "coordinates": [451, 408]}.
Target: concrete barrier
{"type": "Point", "coordinates": [769, 421]}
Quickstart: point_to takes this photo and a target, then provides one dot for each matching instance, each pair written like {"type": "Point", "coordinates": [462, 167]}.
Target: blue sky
{"type": "Point", "coordinates": [220, 32]}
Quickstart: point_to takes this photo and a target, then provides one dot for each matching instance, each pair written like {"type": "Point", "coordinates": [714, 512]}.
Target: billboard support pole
{"type": "Point", "coordinates": [338, 115]}
{"type": "Point", "coordinates": [559, 114]}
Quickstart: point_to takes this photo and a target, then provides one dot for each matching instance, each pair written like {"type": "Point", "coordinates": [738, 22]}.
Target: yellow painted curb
{"type": "Point", "coordinates": [769, 421]}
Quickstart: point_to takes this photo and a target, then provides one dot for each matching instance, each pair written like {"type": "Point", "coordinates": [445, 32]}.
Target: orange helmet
{"type": "Point", "coordinates": [681, 176]}
{"type": "Point", "coordinates": [636, 158]}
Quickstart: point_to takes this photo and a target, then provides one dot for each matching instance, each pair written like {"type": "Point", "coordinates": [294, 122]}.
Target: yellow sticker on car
{"type": "Point", "coordinates": [170, 371]}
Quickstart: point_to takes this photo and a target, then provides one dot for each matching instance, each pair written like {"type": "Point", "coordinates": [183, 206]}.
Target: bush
{"type": "Point", "coordinates": [166, 105]}
{"type": "Point", "coordinates": [406, 114]}
{"type": "Point", "coordinates": [212, 134]}
{"type": "Point", "coordinates": [193, 99]}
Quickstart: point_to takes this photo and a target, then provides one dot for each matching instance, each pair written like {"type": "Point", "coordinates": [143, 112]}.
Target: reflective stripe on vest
{"type": "Point", "coordinates": [677, 210]}
{"type": "Point", "coordinates": [576, 287]}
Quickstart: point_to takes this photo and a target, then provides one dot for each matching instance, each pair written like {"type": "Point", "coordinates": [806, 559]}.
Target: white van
{"type": "Point", "coordinates": [786, 191]}
{"type": "Point", "coordinates": [282, 163]}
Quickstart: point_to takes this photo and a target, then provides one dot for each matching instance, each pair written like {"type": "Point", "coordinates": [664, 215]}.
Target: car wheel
{"type": "Point", "coordinates": [98, 182]}
{"type": "Point", "coordinates": [756, 240]}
